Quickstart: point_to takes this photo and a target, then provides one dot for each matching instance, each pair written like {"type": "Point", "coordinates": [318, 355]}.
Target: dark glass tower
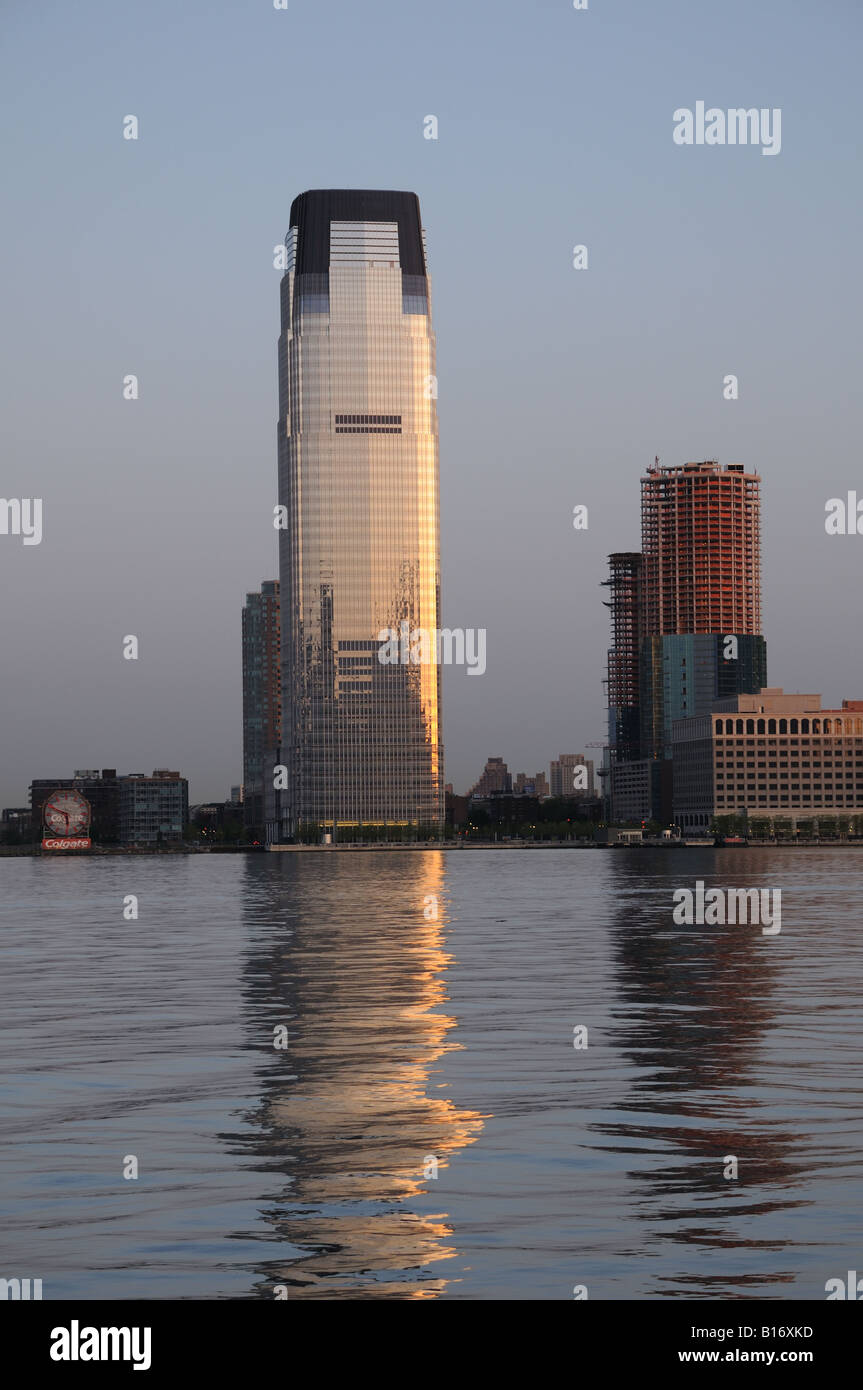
{"type": "Point", "coordinates": [358, 481]}
{"type": "Point", "coordinates": [261, 701]}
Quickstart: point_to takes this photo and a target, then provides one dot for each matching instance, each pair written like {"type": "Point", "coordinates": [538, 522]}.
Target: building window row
{"type": "Point", "coordinates": [785, 726]}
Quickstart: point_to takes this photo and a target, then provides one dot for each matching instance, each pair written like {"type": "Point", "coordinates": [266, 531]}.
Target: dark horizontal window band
{"type": "Point", "coordinates": [368, 419]}
{"type": "Point", "coordinates": [368, 424]}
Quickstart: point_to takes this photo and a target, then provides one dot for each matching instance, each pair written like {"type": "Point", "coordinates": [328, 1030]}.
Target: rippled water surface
{"type": "Point", "coordinates": [414, 1042]}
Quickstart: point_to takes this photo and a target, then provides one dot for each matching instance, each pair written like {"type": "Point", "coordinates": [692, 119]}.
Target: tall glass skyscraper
{"type": "Point", "coordinates": [359, 548]}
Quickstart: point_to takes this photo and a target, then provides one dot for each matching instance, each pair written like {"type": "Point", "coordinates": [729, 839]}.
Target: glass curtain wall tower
{"type": "Point", "coordinates": [261, 701]}
{"type": "Point", "coordinates": [359, 548]}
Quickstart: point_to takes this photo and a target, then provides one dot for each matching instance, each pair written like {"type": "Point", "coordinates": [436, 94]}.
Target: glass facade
{"type": "Point", "coordinates": [261, 700]}
{"type": "Point", "coordinates": [153, 809]}
{"type": "Point", "coordinates": [358, 477]}
{"type": "Point", "coordinates": [685, 674]}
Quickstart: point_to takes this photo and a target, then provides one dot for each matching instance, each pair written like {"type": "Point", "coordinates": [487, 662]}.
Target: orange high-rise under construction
{"type": "Point", "coordinates": [700, 537]}
{"type": "Point", "coordinates": [685, 615]}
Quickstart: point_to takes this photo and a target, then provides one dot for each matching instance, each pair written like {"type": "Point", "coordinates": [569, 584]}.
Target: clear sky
{"type": "Point", "coordinates": [557, 386]}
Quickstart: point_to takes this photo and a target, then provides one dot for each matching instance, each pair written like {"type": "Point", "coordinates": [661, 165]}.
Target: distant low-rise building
{"type": "Point", "coordinates": [14, 824]}
{"type": "Point", "coordinates": [154, 809]}
{"type": "Point", "coordinates": [125, 810]}
{"type": "Point", "coordinates": [495, 777]}
{"type": "Point", "coordinates": [100, 789]}
{"type": "Point", "coordinates": [615, 835]}
{"type": "Point", "coordinates": [562, 775]}
{"type": "Point", "coordinates": [218, 815]}
{"type": "Point", "coordinates": [537, 785]}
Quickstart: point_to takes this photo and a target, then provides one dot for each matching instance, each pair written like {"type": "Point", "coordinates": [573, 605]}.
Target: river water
{"type": "Point", "coordinates": [428, 1002]}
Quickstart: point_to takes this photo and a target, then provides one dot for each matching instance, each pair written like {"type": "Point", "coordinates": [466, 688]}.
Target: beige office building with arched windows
{"type": "Point", "coordinates": [770, 755]}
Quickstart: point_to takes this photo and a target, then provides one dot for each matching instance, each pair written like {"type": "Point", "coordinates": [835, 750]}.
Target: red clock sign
{"type": "Point", "coordinates": [66, 820]}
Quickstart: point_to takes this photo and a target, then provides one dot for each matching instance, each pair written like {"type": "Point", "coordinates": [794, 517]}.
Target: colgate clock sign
{"type": "Point", "coordinates": [66, 821]}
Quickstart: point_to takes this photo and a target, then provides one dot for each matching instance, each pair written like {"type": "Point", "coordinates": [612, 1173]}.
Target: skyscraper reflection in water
{"type": "Point", "coordinates": [350, 1112]}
